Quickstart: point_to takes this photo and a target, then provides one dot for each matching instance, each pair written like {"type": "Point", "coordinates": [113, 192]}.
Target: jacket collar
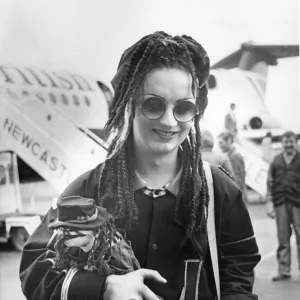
{"type": "Point", "coordinates": [295, 155]}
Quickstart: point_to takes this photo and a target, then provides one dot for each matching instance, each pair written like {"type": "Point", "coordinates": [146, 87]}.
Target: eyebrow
{"type": "Point", "coordinates": [151, 94]}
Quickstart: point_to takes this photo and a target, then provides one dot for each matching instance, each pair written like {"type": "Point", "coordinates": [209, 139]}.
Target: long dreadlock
{"type": "Point", "coordinates": [117, 178]}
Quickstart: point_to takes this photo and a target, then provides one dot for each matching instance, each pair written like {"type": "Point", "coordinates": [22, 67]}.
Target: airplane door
{"type": "Point", "coordinates": [10, 199]}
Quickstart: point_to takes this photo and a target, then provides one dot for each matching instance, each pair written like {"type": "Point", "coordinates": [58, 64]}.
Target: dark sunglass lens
{"type": "Point", "coordinates": [185, 111]}
{"type": "Point", "coordinates": [153, 108]}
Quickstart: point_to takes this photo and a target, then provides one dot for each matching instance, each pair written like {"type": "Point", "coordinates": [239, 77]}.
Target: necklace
{"type": "Point", "coordinates": [148, 190]}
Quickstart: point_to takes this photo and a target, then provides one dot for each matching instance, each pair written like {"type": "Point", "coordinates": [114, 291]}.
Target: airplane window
{"type": "Point", "coordinates": [64, 99]}
{"type": "Point", "coordinates": [87, 101]}
{"type": "Point", "coordinates": [40, 97]}
{"type": "Point", "coordinates": [76, 101]}
{"type": "Point", "coordinates": [52, 98]}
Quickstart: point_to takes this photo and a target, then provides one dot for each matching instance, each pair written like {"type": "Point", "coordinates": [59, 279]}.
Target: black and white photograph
{"type": "Point", "coordinates": [149, 150]}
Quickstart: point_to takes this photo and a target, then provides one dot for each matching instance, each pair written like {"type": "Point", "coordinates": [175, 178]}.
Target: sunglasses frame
{"type": "Point", "coordinates": [186, 100]}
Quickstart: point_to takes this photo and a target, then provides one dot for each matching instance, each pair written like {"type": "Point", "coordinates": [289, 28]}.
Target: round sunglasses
{"type": "Point", "coordinates": [154, 108]}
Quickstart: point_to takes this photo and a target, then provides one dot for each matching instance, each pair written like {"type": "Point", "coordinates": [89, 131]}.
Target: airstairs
{"type": "Point", "coordinates": [50, 143]}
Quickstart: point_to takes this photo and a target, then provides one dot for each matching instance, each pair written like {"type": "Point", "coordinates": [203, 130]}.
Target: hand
{"type": "Point", "coordinates": [131, 286]}
{"type": "Point", "coordinates": [270, 210]}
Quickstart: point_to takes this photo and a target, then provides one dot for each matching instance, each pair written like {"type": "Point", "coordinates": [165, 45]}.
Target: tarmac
{"type": "Point", "coordinates": [265, 231]}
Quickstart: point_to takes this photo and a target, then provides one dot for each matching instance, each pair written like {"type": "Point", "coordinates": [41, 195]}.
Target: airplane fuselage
{"type": "Point", "coordinates": [77, 96]}
{"type": "Point", "coordinates": [246, 90]}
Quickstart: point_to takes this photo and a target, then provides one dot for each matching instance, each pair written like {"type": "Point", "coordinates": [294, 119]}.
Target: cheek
{"type": "Point", "coordinates": [141, 124]}
{"type": "Point", "coordinates": [185, 128]}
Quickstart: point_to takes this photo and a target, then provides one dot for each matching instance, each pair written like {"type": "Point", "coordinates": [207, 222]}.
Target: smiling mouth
{"type": "Point", "coordinates": [164, 134]}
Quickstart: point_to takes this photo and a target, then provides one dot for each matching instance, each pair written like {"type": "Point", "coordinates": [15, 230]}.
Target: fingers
{"type": "Point", "coordinates": [148, 294]}
{"type": "Point", "coordinates": [151, 274]}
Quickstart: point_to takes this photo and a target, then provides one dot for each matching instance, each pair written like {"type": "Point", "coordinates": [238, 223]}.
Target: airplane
{"type": "Point", "coordinates": [241, 78]}
{"type": "Point", "coordinates": [51, 132]}
{"type": "Point", "coordinates": [79, 97]}
{"type": "Point", "coordinates": [52, 126]}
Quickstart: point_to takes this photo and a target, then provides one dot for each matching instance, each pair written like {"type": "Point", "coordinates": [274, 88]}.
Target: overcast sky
{"type": "Point", "coordinates": [89, 35]}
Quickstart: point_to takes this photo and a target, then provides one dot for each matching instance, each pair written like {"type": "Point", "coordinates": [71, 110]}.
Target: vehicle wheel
{"type": "Point", "coordinates": [19, 236]}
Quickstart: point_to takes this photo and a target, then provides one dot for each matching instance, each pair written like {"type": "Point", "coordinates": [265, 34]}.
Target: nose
{"type": "Point", "coordinates": [168, 119]}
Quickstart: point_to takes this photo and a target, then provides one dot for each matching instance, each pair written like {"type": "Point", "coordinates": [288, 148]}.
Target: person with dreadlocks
{"type": "Point", "coordinates": [154, 184]}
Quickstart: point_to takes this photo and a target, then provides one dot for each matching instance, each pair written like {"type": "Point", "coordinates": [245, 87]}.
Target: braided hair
{"type": "Point", "coordinates": [117, 178]}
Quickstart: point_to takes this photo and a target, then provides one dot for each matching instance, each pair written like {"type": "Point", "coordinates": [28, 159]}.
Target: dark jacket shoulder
{"type": "Point", "coordinates": [229, 202]}
{"type": "Point", "coordinates": [85, 185]}
{"type": "Point", "coordinates": [225, 188]}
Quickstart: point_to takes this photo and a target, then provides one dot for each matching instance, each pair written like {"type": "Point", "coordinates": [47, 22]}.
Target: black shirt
{"type": "Point", "coordinates": [157, 244]}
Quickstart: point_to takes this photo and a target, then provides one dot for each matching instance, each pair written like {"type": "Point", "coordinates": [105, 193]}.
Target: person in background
{"type": "Point", "coordinates": [211, 156]}
{"type": "Point", "coordinates": [283, 191]}
{"type": "Point", "coordinates": [226, 143]}
{"type": "Point", "coordinates": [267, 147]}
{"type": "Point", "coordinates": [153, 182]}
{"type": "Point", "coordinates": [230, 121]}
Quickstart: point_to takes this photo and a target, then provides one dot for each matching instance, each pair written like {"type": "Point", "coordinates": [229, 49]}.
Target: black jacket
{"type": "Point", "coordinates": [237, 250]}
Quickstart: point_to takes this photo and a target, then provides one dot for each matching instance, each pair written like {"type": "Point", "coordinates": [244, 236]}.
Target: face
{"type": "Point", "coordinates": [224, 145]}
{"type": "Point", "coordinates": [289, 145]}
{"type": "Point", "coordinates": [84, 242]}
{"type": "Point", "coordinates": [165, 134]}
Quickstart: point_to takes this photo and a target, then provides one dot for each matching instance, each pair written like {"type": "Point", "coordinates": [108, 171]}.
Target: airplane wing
{"type": "Point", "coordinates": [249, 55]}
{"type": "Point", "coordinates": [229, 62]}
